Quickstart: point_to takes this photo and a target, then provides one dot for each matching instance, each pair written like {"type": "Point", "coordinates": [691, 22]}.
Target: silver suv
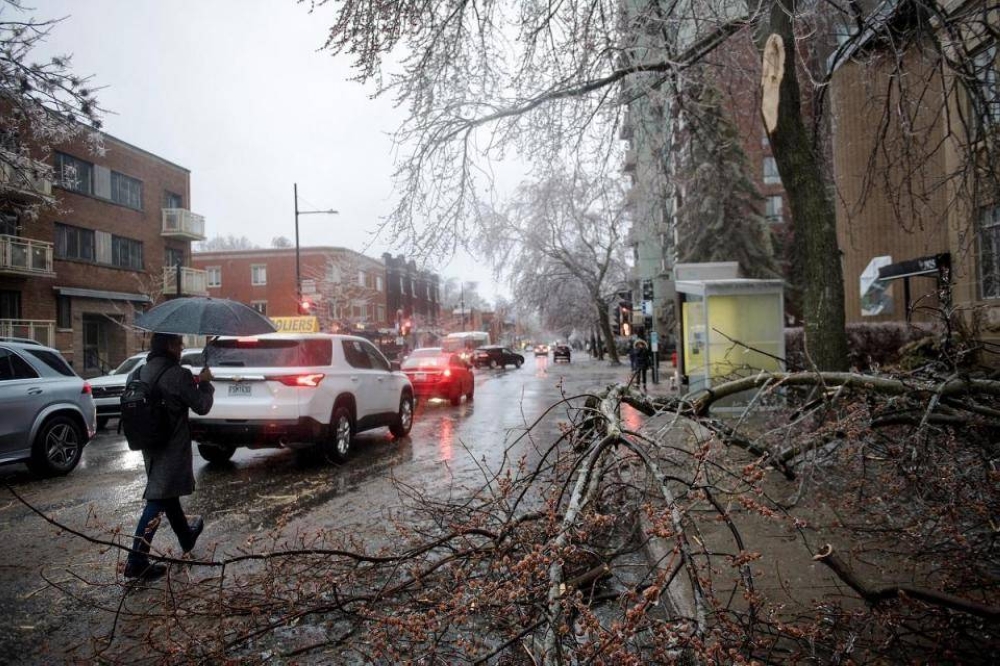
{"type": "Point", "coordinates": [48, 411]}
{"type": "Point", "coordinates": [296, 391]}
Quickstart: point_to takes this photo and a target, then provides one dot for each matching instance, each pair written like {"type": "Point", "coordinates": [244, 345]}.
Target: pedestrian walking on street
{"type": "Point", "coordinates": [643, 359]}
{"type": "Point", "coordinates": [169, 469]}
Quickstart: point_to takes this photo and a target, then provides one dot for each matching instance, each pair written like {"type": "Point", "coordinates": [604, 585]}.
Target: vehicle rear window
{"type": "Point", "coordinates": [269, 353]}
{"type": "Point", "coordinates": [53, 360]}
{"type": "Point", "coordinates": [424, 362]}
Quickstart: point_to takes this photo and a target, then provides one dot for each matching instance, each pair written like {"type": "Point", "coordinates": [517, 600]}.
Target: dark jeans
{"type": "Point", "coordinates": [640, 376]}
{"type": "Point", "coordinates": [150, 521]}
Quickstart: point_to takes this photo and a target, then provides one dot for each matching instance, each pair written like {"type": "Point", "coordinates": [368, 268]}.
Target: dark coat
{"type": "Point", "coordinates": [169, 470]}
{"type": "Point", "coordinates": [643, 357]}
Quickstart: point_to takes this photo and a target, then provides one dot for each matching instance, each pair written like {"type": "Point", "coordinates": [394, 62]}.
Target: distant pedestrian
{"type": "Point", "coordinates": [631, 355]}
{"type": "Point", "coordinates": [169, 469]}
{"type": "Point", "coordinates": [643, 360]}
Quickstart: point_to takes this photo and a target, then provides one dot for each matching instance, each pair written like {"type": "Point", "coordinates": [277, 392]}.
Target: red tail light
{"type": "Point", "coordinates": [447, 372]}
{"type": "Point", "coordinates": [310, 380]}
{"type": "Point", "coordinates": [86, 389]}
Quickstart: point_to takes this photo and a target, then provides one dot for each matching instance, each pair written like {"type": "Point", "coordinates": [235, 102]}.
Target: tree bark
{"type": "Point", "coordinates": [798, 159]}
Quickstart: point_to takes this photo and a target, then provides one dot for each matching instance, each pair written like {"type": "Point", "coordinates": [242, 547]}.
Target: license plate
{"type": "Point", "coordinates": [240, 389]}
{"type": "Point", "coordinates": [420, 377]}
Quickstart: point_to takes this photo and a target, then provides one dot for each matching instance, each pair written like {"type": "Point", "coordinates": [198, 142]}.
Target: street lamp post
{"type": "Point", "coordinates": [298, 270]}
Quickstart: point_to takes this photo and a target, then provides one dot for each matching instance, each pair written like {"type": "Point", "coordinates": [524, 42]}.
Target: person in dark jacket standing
{"type": "Point", "coordinates": [169, 470]}
{"type": "Point", "coordinates": [643, 361]}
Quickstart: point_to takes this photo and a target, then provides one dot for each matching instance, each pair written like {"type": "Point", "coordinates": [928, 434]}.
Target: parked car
{"type": "Point", "coordinates": [495, 356]}
{"type": "Point", "coordinates": [438, 374]}
{"type": "Point", "coordinates": [298, 391]}
{"type": "Point", "coordinates": [48, 411]}
{"type": "Point", "coordinates": [109, 388]}
{"type": "Point", "coordinates": [541, 350]}
{"type": "Point", "coordinates": [561, 353]}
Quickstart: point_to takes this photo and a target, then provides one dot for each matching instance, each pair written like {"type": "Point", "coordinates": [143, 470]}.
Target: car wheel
{"type": "Point", "coordinates": [493, 363]}
{"type": "Point", "coordinates": [404, 420]}
{"type": "Point", "coordinates": [102, 422]}
{"type": "Point", "coordinates": [338, 445]}
{"type": "Point", "coordinates": [216, 453]}
{"type": "Point", "coordinates": [456, 396]}
{"type": "Point", "coordinates": [471, 393]}
{"type": "Point", "coordinates": [517, 365]}
{"type": "Point", "coordinates": [57, 448]}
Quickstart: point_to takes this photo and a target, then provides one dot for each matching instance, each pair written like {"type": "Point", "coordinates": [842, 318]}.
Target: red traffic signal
{"type": "Point", "coordinates": [305, 307]}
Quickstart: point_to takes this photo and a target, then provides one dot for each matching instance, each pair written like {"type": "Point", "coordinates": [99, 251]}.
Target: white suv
{"type": "Point", "coordinates": [281, 390]}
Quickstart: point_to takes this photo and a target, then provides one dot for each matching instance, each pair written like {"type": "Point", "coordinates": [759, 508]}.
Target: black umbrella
{"type": "Point", "coordinates": [199, 315]}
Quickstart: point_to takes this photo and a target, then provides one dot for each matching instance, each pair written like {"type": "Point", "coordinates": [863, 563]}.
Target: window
{"type": "Point", "coordinates": [126, 253]}
{"type": "Point", "coordinates": [74, 242]}
{"type": "Point", "coordinates": [379, 286]}
{"type": "Point", "coordinates": [73, 174]}
{"type": "Point", "coordinates": [259, 306]}
{"type": "Point", "coordinates": [10, 304]}
{"type": "Point", "coordinates": [126, 190]}
{"type": "Point", "coordinates": [989, 252]}
{"type": "Point", "coordinates": [771, 176]}
{"type": "Point", "coordinates": [64, 312]}
{"type": "Point", "coordinates": [172, 200]}
{"type": "Point", "coordinates": [214, 276]}
{"type": "Point", "coordinates": [361, 278]}
{"type": "Point", "coordinates": [356, 355]}
{"type": "Point", "coordinates": [173, 257]}
{"type": "Point", "coordinates": [986, 99]}
{"type": "Point", "coordinates": [258, 274]}
{"type": "Point", "coordinates": [51, 359]}
{"type": "Point", "coordinates": [13, 366]}
{"type": "Point", "coordinates": [375, 357]}
{"type": "Point", "coordinates": [773, 212]}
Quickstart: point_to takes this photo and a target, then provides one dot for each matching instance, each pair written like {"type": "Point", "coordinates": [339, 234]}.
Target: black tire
{"type": "Point", "coordinates": [216, 453]}
{"type": "Point", "coordinates": [517, 365]}
{"type": "Point", "coordinates": [456, 396]}
{"type": "Point", "coordinates": [493, 363]}
{"type": "Point", "coordinates": [337, 446]}
{"type": "Point", "coordinates": [102, 422]}
{"type": "Point", "coordinates": [472, 391]}
{"type": "Point", "coordinates": [400, 427]}
{"type": "Point", "coordinates": [57, 447]}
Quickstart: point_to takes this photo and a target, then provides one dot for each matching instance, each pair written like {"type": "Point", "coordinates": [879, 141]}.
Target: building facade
{"type": "Point", "coordinates": [413, 297]}
{"type": "Point", "coordinates": [96, 240]}
{"type": "Point", "coordinates": [345, 290]}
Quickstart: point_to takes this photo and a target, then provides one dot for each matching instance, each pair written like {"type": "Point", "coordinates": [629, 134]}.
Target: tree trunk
{"type": "Point", "coordinates": [605, 323]}
{"type": "Point", "coordinates": [798, 160]}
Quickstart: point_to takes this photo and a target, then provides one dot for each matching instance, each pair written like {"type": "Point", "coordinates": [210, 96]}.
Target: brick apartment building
{"type": "Point", "coordinates": [114, 235]}
{"type": "Point", "coordinates": [346, 290]}
{"type": "Point", "coordinates": [413, 296]}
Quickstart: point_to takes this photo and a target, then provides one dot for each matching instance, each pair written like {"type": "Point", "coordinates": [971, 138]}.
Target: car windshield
{"type": "Point", "coordinates": [270, 353]}
{"type": "Point", "coordinates": [127, 365]}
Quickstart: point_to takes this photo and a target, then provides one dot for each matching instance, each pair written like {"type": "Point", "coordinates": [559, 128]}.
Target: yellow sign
{"type": "Point", "coordinates": [296, 324]}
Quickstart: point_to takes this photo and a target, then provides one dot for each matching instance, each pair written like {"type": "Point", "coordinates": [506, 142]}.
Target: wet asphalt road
{"type": "Point", "coordinates": [448, 453]}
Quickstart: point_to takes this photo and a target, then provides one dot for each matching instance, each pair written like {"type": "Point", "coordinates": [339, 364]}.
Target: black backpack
{"type": "Point", "coordinates": [144, 413]}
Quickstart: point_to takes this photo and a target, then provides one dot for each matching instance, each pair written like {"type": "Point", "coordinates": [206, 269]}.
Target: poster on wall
{"type": "Point", "coordinates": [876, 295]}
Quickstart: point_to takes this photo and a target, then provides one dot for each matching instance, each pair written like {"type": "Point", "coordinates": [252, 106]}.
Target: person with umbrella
{"type": "Point", "coordinates": [169, 469]}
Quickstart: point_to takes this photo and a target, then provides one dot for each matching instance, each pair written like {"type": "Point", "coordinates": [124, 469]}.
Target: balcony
{"type": "Point", "coordinates": [182, 223]}
{"type": "Point", "coordinates": [25, 256]}
{"type": "Point", "coordinates": [24, 179]}
{"type": "Point", "coordinates": [39, 330]}
{"type": "Point", "coordinates": [193, 282]}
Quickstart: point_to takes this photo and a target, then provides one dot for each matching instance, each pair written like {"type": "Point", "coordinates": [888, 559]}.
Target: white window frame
{"type": "Point", "coordinates": [379, 284]}
{"type": "Point", "coordinates": [214, 276]}
{"type": "Point", "coordinates": [988, 83]}
{"type": "Point", "coordinates": [988, 242]}
{"type": "Point", "coordinates": [771, 175]}
{"type": "Point", "coordinates": [258, 275]}
{"type": "Point", "coordinates": [774, 209]}
{"type": "Point", "coordinates": [361, 278]}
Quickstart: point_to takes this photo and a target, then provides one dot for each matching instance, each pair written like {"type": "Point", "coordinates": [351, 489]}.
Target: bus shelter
{"type": "Point", "coordinates": [730, 328]}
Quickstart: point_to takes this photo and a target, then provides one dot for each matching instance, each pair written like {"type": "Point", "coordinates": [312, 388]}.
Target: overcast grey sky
{"type": "Point", "coordinates": [237, 92]}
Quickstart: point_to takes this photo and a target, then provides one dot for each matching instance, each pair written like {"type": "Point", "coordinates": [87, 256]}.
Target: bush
{"type": "Point", "coordinates": [869, 345]}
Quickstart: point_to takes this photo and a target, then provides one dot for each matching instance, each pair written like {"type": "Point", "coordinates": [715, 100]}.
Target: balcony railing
{"type": "Point", "coordinates": [25, 256]}
{"type": "Point", "coordinates": [194, 282]}
{"type": "Point", "coordinates": [24, 179]}
{"type": "Point", "coordinates": [39, 330]}
{"type": "Point", "coordinates": [182, 223]}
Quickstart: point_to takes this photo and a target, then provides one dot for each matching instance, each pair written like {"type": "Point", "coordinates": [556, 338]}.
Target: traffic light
{"type": "Point", "coordinates": [305, 306]}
